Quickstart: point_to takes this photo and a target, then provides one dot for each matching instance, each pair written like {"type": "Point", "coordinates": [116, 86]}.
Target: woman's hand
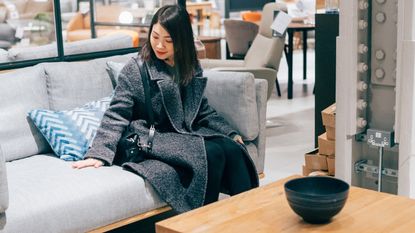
{"type": "Point", "coordinates": [237, 138]}
{"type": "Point", "coordinates": [87, 163]}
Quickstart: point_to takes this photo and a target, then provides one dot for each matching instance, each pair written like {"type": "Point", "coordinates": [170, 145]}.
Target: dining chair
{"type": "Point", "coordinates": [239, 36]}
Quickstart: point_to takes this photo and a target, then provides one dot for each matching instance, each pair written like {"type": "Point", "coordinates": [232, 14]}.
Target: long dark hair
{"type": "Point", "coordinates": [176, 21]}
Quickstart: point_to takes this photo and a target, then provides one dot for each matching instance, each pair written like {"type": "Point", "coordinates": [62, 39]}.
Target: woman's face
{"type": "Point", "coordinates": [162, 44]}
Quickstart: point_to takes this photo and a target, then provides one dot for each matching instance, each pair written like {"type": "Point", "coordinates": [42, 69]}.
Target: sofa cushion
{"type": "Point", "coordinates": [48, 195]}
{"type": "Point", "coordinates": [114, 70]}
{"type": "Point", "coordinates": [72, 84]}
{"type": "Point", "coordinates": [21, 91]}
{"type": "Point", "coordinates": [237, 102]}
{"type": "Point", "coordinates": [110, 42]}
{"type": "Point", "coordinates": [70, 133]}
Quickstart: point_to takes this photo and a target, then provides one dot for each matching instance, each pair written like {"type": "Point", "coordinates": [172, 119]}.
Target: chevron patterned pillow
{"type": "Point", "coordinates": [70, 133]}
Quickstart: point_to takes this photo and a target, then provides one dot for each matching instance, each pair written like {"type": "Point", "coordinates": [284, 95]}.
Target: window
{"type": "Point", "coordinates": [33, 31]}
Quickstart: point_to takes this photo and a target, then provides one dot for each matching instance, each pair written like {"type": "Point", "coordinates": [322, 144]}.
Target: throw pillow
{"type": "Point", "coordinates": [70, 133]}
{"type": "Point", "coordinates": [114, 70]}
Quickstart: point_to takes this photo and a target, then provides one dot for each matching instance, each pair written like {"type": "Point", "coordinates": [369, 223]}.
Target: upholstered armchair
{"type": "Point", "coordinates": [7, 36]}
{"type": "Point", "coordinates": [264, 55]}
{"type": "Point", "coordinates": [239, 36]}
{"type": "Point", "coordinates": [79, 27]}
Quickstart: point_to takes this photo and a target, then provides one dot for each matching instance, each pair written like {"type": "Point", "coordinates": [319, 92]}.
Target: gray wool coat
{"type": "Point", "coordinates": [181, 126]}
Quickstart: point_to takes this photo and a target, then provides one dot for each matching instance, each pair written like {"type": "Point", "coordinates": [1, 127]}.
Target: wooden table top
{"type": "Point", "coordinates": [298, 25]}
{"type": "Point", "coordinates": [265, 209]}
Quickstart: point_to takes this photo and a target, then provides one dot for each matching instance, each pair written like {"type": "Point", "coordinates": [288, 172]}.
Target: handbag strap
{"type": "Point", "coordinates": [146, 85]}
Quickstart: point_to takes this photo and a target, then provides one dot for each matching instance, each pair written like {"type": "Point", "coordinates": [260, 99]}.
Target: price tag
{"type": "Point", "coordinates": [280, 23]}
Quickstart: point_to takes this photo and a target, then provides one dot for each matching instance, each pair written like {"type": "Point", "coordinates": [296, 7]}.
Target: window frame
{"type": "Point", "coordinates": [60, 43]}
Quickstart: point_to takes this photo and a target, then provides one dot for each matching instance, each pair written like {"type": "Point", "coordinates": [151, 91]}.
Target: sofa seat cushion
{"type": "Point", "coordinates": [48, 195]}
{"type": "Point", "coordinates": [22, 91]}
{"type": "Point", "coordinates": [240, 109]}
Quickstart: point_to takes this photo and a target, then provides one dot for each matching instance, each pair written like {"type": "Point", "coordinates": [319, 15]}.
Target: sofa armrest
{"type": "Point", "coordinates": [213, 63]}
{"type": "Point", "coordinates": [259, 73]}
{"type": "Point", "coordinates": [261, 98]}
{"type": "Point", "coordinates": [233, 96]}
{"type": "Point", "coordinates": [4, 193]}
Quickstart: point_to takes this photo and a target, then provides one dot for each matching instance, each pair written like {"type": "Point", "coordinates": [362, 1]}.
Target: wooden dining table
{"type": "Point", "coordinates": [265, 209]}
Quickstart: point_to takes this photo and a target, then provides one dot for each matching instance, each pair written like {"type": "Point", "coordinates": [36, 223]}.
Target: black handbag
{"type": "Point", "coordinates": [130, 147]}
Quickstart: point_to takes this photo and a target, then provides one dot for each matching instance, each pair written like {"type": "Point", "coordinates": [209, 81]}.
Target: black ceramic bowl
{"type": "Point", "coordinates": [316, 199]}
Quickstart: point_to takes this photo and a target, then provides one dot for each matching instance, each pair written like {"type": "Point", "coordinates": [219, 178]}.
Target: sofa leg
{"type": "Point", "coordinates": [277, 84]}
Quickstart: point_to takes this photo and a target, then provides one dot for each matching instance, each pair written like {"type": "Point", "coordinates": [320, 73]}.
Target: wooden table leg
{"type": "Point", "coordinates": [290, 63]}
{"type": "Point", "coordinates": [304, 54]}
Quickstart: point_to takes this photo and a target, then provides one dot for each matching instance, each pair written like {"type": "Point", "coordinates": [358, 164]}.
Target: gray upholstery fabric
{"type": "Point", "coordinates": [7, 33]}
{"type": "Point", "coordinates": [116, 41]}
{"type": "Point", "coordinates": [253, 152]}
{"type": "Point", "coordinates": [259, 73]}
{"type": "Point", "coordinates": [72, 84]}
{"type": "Point", "coordinates": [216, 63]}
{"type": "Point", "coordinates": [239, 35]}
{"type": "Point", "coordinates": [114, 70]}
{"type": "Point", "coordinates": [3, 55]}
{"type": "Point", "coordinates": [261, 86]}
{"type": "Point", "coordinates": [5, 44]}
{"type": "Point", "coordinates": [36, 52]}
{"type": "Point", "coordinates": [21, 91]}
{"type": "Point", "coordinates": [235, 100]}
{"type": "Point", "coordinates": [265, 52]}
{"type": "Point", "coordinates": [4, 191]}
{"type": "Point", "coordinates": [48, 195]}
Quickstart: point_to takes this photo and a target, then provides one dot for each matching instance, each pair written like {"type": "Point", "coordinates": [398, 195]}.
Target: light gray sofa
{"type": "Point", "coordinates": [41, 193]}
{"type": "Point", "coordinates": [111, 42]}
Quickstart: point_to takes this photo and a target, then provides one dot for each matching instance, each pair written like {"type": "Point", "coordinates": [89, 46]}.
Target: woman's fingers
{"type": "Point", "coordinates": [87, 163]}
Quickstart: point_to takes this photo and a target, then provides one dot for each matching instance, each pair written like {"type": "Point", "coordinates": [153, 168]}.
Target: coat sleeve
{"type": "Point", "coordinates": [115, 120]}
{"type": "Point", "coordinates": [208, 117]}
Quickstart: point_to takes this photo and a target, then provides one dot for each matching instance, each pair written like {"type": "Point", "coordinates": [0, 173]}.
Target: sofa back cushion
{"type": "Point", "coordinates": [235, 100]}
{"type": "Point", "coordinates": [72, 84]}
{"type": "Point", "coordinates": [21, 91]}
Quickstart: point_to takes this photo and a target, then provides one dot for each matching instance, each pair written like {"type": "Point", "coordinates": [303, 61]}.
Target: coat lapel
{"type": "Point", "coordinates": [172, 102]}
{"type": "Point", "coordinates": [170, 95]}
{"type": "Point", "coordinates": [193, 98]}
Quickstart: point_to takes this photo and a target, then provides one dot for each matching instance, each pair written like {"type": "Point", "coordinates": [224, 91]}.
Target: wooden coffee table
{"type": "Point", "coordinates": [265, 209]}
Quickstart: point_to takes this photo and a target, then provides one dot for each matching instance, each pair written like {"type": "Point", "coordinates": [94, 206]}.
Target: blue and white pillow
{"type": "Point", "coordinates": [70, 133]}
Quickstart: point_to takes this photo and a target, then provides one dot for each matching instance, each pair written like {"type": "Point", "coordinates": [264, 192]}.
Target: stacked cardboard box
{"type": "Point", "coordinates": [321, 161]}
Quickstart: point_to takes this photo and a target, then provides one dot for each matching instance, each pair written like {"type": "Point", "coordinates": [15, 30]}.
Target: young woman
{"type": "Point", "coordinates": [195, 154]}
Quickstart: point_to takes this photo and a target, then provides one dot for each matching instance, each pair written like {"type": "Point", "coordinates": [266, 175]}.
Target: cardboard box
{"type": "Point", "coordinates": [331, 165]}
{"type": "Point", "coordinates": [329, 116]}
{"type": "Point", "coordinates": [331, 133]}
{"type": "Point", "coordinates": [314, 161]}
{"type": "Point", "coordinates": [326, 146]}
{"type": "Point", "coordinates": [306, 171]}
